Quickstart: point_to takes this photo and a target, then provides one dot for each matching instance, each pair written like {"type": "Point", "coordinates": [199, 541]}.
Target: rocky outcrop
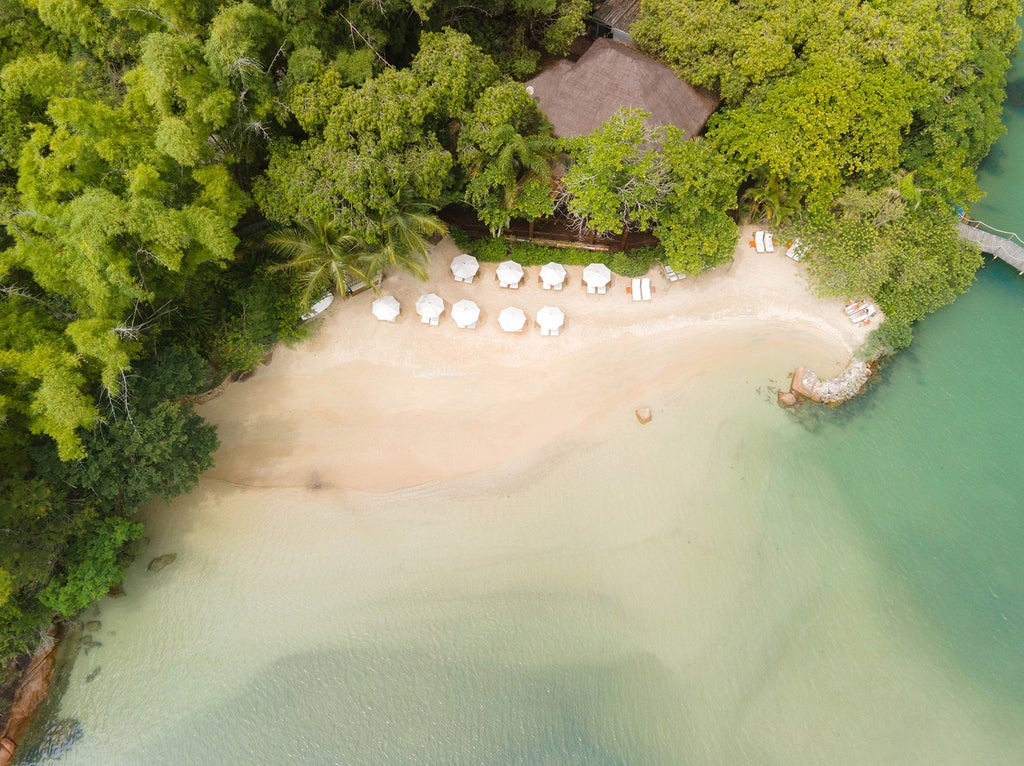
{"type": "Point", "coordinates": [843, 387]}
{"type": "Point", "coordinates": [35, 683]}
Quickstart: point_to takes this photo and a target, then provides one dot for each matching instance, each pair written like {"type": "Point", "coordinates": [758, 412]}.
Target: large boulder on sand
{"type": "Point", "coordinates": [787, 398]}
{"type": "Point", "coordinates": [804, 382]}
{"type": "Point", "coordinates": [643, 414]}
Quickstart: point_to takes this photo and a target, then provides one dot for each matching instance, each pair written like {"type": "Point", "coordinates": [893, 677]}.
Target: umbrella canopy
{"type": "Point", "coordinates": [386, 309]}
{"type": "Point", "coordinates": [465, 267]}
{"type": "Point", "coordinates": [597, 275]}
{"type": "Point", "coordinates": [465, 313]}
{"type": "Point", "coordinates": [512, 319]}
{"type": "Point", "coordinates": [550, 318]}
{"type": "Point", "coordinates": [430, 306]}
{"type": "Point", "coordinates": [509, 273]}
{"type": "Point", "coordinates": [552, 274]}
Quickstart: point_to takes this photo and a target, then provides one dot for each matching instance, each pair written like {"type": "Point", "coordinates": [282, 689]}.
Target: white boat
{"type": "Point", "coordinates": [319, 307]}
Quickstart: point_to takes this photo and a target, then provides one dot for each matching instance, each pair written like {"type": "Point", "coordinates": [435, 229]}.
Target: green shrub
{"type": "Point", "coordinates": [461, 238]}
{"type": "Point", "coordinates": [489, 249]}
{"type": "Point", "coordinates": [895, 334]}
{"type": "Point", "coordinates": [634, 263]}
{"type": "Point", "coordinates": [96, 565]}
{"type": "Point", "coordinates": [237, 349]}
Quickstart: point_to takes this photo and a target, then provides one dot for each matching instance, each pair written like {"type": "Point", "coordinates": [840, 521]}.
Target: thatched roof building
{"type": "Point", "coordinates": [578, 97]}
{"type": "Point", "coordinates": [614, 18]}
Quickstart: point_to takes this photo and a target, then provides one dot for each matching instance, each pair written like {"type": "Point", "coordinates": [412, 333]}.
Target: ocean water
{"type": "Point", "coordinates": [731, 584]}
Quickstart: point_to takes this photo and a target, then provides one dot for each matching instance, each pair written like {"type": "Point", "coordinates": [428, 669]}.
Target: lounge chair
{"type": "Point", "coordinates": [545, 285]}
{"type": "Point", "coordinates": [602, 290]}
{"type": "Point", "coordinates": [853, 307]}
{"type": "Point", "coordinates": [796, 250]}
{"type": "Point", "coordinates": [759, 241]}
{"type": "Point", "coordinates": [591, 289]}
{"type": "Point", "coordinates": [425, 320]}
{"type": "Point", "coordinates": [558, 286]}
{"type": "Point", "coordinates": [434, 321]}
{"type": "Point", "coordinates": [769, 243]}
{"type": "Point", "coordinates": [670, 273]}
{"type": "Point", "coordinates": [866, 313]}
{"type": "Point", "coordinates": [645, 289]}
{"type": "Point", "coordinates": [635, 289]}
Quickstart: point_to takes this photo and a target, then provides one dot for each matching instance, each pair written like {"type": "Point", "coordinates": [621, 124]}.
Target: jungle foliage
{"type": "Point", "coordinates": [826, 101]}
{"type": "Point", "coordinates": [147, 149]}
{"type": "Point", "coordinates": [135, 140]}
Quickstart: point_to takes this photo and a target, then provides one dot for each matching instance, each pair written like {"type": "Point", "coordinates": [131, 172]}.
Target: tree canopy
{"type": "Point", "coordinates": [148, 148]}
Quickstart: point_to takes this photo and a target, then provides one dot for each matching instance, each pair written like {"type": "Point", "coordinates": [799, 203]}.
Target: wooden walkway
{"type": "Point", "coordinates": [1003, 248]}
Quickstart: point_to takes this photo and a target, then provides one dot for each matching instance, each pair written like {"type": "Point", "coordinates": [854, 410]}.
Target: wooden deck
{"type": "Point", "coordinates": [1003, 248]}
{"type": "Point", "coordinates": [551, 232]}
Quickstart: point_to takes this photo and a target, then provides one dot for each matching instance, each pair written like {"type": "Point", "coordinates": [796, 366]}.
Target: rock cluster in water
{"type": "Point", "coordinates": [843, 387]}
{"type": "Point", "coordinates": [161, 561]}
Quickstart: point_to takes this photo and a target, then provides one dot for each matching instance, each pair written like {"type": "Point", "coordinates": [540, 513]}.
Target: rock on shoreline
{"type": "Point", "coordinates": [843, 387]}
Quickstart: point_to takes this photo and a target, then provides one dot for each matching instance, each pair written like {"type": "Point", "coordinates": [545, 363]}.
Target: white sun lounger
{"type": "Point", "coordinates": [645, 289]}
{"type": "Point", "coordinates": [866, 313]}
{"type": "Point", "coordinates": [769, 243]}
{"type": "Point", "coordinates": [635, 289]}
{"type": "Point", "coordinates": [759, 240]}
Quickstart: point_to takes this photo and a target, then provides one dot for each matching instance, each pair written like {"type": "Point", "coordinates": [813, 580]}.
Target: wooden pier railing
{"type": "Point", "coordinates": [1008, 248]}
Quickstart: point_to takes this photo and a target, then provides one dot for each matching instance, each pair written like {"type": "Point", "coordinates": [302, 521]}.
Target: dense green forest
{"type": "Point", "coordinates": [178, 179]}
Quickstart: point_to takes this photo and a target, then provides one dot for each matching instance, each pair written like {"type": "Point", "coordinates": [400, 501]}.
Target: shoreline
{"type": "Point", "coordinates": [366, 405]}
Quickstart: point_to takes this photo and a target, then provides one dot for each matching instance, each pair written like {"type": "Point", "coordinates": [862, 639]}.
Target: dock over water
{"type": "Point", "coordinates": [1006, 248]}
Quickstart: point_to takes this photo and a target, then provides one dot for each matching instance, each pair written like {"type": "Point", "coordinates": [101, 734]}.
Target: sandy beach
{"type": "Point", "coordinates": [377, 406]}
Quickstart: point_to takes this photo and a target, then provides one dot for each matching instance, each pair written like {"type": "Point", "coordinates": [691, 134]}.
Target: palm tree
{"type": "Point", "coordinates": [498, 180]}
{"type": "Point", "coordinates": [402, 239]}
{"type": "Point", "coordinates": [769, 202]}
{"type": "Point", "coordinates": [325, 257]}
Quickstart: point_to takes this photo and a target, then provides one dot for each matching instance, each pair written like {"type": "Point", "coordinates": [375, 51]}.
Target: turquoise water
{"type": "Point", "coordinates": [736, 586]}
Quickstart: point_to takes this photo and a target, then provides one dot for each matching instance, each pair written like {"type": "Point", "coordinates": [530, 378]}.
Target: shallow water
{"type": "Point", "coordinates": [730, 584]}
{"type": "Point", "coordinates": [726, 585]}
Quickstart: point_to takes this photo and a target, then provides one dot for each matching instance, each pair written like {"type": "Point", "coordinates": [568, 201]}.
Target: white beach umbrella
{"type": "Point", "coordinates": [464, 267]}
{"type": "Point", "coordinates": [509, 273]}
{"type": "Point", "coordinates": [512, 319]}
{"type": "Point", "coordinates": [597, 275]}
{"type": "Point", "coordinates": [386, 309]}
{"type": "Point", "coordinates": [552, 274]}
{"type": "Point", "coordinates": [550, 319]}
{"type": "Point", "coordinates": [465, 313]}
{"type": "Point", "coordinates": [430, 307]}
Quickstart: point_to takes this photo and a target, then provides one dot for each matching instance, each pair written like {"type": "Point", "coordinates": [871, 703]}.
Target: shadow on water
{"type": "Point", "coordinates": [1015, 94]}
{"type": "Point", "coordinates": [402, 706]}
{"type": "Point", "coordinates": [929, 458]}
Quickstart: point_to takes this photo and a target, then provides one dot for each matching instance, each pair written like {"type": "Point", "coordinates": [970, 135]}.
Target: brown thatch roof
{"type": "Point", "coordinates": [616, 14]}
{"type": "Point", "coordinates": [578, 97]}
